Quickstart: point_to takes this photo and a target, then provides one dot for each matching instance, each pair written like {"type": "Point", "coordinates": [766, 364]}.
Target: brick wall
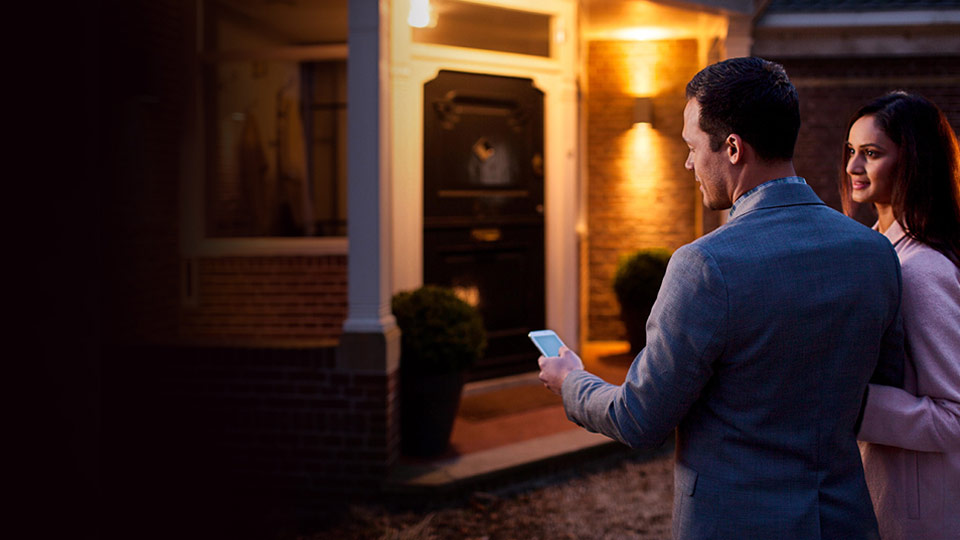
{"type": "Point", "coordinates": [832, 89]}
{"type": "Point", "coordinates": [639, 194]}
{"type": "Point", "coordinates": [289, 416]}
{"type": "Point", "coordinates": [254, 299]}
{"type": "Point", "coordinates": [246, 439]}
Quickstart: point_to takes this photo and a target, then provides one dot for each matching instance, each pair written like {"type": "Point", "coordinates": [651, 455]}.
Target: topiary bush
{"type": "Point", "coordinates": [639, 275]}
{"type": "Point", "coordinates": [636, 283]}
{"type": "Point", "coordinates": [440, 332]}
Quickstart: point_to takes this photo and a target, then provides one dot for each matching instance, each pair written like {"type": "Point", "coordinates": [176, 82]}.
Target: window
{"type": "Point", "coordinates": [275, 123]}
{"type": "Point", "coordinates": [325, 92]}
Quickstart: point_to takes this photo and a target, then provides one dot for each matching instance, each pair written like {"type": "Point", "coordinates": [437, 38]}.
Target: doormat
{"type": "Point", "coordinates": [514, 399]}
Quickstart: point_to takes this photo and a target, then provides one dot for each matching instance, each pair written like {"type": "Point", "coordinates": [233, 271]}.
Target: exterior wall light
{"type": "Point", "coordinates": [643, 110]}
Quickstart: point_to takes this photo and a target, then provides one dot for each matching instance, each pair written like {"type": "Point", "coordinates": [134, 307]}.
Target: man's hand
{"type": "Point", "coordinates": [554, 369]}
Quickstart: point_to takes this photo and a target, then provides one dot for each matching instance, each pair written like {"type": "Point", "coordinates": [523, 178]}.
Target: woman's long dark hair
{"type": "Point", "coordinates": [926, 188]}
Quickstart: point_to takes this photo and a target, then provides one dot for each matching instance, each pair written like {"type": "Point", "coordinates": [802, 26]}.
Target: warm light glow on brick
{"type": "Point", "coordinates": [644, 171]}
{"type": "Point", "coordinates": [645, 165]}
{"type": "Point", "coordinates": [642, 33]}
{"type": "Point", "coordinates": [639, 193]}
{"type": "Point", "coordinates": [642, 79]}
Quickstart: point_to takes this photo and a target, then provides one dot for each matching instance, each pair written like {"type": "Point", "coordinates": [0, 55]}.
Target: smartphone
{"type": "Point", "coordinates": [547, 341]}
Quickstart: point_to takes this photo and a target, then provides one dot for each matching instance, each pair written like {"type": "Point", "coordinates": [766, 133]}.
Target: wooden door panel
{"type": "Point", "coordinates": [483, 206]}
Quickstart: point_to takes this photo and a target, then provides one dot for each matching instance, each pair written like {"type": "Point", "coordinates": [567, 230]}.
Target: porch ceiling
{"type": "Point", "coordinates": [297, 22]}
{"type": "Point", "coordinates": [645, 20]}
{"type": "Point", "coordinates": [306, 22]}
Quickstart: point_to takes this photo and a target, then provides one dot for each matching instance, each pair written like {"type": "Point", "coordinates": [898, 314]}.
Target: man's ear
{"type": "Point", "coordinates": [734, 147]}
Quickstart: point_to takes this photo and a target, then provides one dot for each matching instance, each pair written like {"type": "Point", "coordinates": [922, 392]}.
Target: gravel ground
{"type": "Point", "coordinates": [630, 498]}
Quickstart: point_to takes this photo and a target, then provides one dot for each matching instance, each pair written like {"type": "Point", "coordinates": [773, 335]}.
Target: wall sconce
{"type": "Point", "coordinates": [643, 110]}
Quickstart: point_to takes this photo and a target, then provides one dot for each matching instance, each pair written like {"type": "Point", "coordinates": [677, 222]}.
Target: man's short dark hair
{"type": "Point", "coordinates": [753, 98]}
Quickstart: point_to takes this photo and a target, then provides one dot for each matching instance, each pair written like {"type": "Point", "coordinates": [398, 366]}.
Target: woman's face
{"type": "Point", "coordinates": [871, 162]}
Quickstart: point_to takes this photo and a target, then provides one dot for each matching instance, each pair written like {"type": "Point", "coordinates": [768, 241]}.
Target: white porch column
{"type": "Point", "coordinates": [371, 338]}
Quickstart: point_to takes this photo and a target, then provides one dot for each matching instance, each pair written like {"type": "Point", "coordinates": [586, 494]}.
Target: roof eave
{"type": "Point", "coordinates": [871, 19]}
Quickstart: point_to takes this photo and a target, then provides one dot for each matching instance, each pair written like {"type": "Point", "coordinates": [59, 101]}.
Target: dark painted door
{"type": "Point", "coordinates": [483, 207]}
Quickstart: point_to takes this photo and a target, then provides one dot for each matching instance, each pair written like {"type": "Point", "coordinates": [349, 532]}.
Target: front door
{"type": "Point", "coordinates": [483, 207]}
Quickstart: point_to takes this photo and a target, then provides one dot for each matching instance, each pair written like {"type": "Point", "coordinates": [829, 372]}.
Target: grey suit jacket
{"type": "Point", "coordinates": [759, 349]}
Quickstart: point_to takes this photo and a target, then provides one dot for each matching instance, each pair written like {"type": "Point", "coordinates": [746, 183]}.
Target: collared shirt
{"type": "Point", "coordinates": [741, 199]}
{"type": "Point", "coordinates": [894, 233]}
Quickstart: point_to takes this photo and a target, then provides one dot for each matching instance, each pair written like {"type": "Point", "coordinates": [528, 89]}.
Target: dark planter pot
{"type": "Point", "coordinates": [428, 406]}
{"type": "Point", "coordinates": [635, 321]}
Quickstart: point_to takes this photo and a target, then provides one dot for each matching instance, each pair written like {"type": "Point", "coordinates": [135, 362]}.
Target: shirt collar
{"type": "Point", "coordinates": [753, 192]}
{"type": "Point", "coordinates": [894, 232]}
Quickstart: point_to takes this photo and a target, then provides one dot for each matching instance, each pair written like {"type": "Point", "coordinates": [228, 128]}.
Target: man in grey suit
{"type": "Point", "coordinates": [763, 336]}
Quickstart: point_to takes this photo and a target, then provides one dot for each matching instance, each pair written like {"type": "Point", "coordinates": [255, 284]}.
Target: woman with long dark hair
{"type": "Point", "coordinates": [902, 157]}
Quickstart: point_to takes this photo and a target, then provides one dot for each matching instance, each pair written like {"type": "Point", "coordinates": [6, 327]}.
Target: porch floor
{"type": "Point", "coordinates": [509, 437]}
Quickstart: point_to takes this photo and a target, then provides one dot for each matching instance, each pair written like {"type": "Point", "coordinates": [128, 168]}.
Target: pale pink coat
{"type": "Point", "coordinates": [911, 437]}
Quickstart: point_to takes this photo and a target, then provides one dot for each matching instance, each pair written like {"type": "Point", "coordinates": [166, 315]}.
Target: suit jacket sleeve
{"type": "Point", "coordinates": [889, 370]}
{"type": "Point", "coordinates": [929, 421]}
{"type": "Point", "coordinates": [686, 331]}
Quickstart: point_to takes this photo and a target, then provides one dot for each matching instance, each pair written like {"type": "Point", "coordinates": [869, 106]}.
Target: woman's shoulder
{"type": "Point", "coordinates": [927, 268]}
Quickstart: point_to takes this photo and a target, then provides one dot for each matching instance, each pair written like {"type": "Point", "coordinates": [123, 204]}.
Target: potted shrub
{"type": "Point", "coordinates": [636, 284]}
{"type": "Point", "coordinates": [441, 337]}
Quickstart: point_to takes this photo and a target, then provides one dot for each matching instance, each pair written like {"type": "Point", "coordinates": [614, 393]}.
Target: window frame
{"type": "Point", "coordinates": [195, 242]}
